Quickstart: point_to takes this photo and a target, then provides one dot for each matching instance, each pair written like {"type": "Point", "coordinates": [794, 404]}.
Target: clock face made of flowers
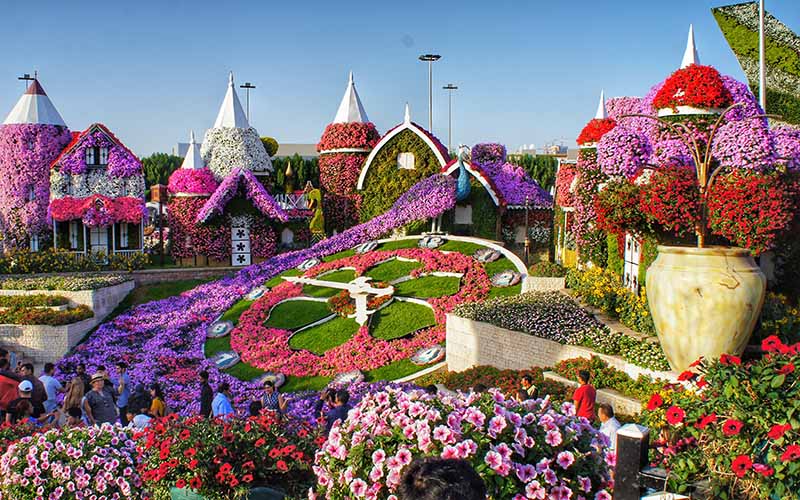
{"type": "Point", "coordinates": [295, 329]}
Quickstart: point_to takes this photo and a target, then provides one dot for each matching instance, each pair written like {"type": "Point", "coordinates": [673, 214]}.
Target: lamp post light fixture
{"type": "Point", "coordinates": [430, 59]}
{"type": "Point", "coordinates": [527, 232]}
{"type": "Point", "coordinates": [450, 88]}
{"type": "Point", "coordinates": [247, 86]}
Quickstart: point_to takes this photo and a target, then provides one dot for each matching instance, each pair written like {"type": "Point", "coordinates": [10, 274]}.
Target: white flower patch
{"type": "Point", "coordinates": [226, 149]}
{"type": "Point", "coordinates": [95, 181]}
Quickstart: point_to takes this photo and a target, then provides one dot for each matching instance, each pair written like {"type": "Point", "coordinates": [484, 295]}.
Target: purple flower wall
{"type": "Point", "coordinates": [26, 152]}
{"type": "Point", "coordinates": [163, 340]}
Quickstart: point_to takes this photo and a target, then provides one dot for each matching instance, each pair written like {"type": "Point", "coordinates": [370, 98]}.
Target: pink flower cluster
{"type": "Point", "coordinates": [521, 450]}
{"type": "Point", "coordinates": [268, 348]}
{"type": "Point", "coordinates": [192, 181]}
{"type": "Point", "coordinates": [98, 210]}
{"type": "Point", "coordinates": [121, 162]}
{"type": "Point", "coordinates": [623, 151]}
{"type": "Point", "coordinates": [348, 135]}
{"type": "Point", "coordinates": [253, 189]}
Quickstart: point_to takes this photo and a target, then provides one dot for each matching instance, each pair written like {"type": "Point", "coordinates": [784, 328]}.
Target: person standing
{"type": "Point", "coordinates": [25, 392]}
{"type": "Point", "coordinates": [74, 394]}
{"type": "Point", "coordinates": [221, 406]}
{"type": "Point", "coordinates": [123, 390]}
{"type": "Point", "coordinates": [158, 408]}
{"type": "Point", "coordinates": [609, 425]}
{"type": "Point", "coordinates": [9, 381]}
{"type": "Point", "coordinates": [51, 387]}
{"type": "Point", "coordinates": [433, 478]}
{"type": "Point", "coordinates": [98, 404]}
{"type": "Point", "coordinates": [528, 386]}
{"type": "Point", "coordinates": [206, 395]}
{"type": "Point", "coordinates": [80, 371]}
{"type": "Point", "coordinates": [339, 410]}
{"type": "Point", "coordinates": [39, 394]}
{"type": "Point", "coordinates": [584, 397]}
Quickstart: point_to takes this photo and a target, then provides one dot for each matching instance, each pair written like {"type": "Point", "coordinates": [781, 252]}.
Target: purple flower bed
{"type": "Point", "coordinates": [488, 153]}
{"type": "Point", "coordinates": [513, 183]}
{"type": "Point", "coordinates": [623, 151]}
{"type": "Point", "coordinates": [621, 106]}
{"type": "Point", "coordinates": [254, 191]}
{"type": "Point", "coordinates": [787, 146]}
{"type": "Point", "coordinates": [163, 340]}
{"type": "Point", "coordinates": [121, 162]}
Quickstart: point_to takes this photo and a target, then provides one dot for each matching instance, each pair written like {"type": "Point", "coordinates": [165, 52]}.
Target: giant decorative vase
{"type": "Point", "coordinates": [704, 301]}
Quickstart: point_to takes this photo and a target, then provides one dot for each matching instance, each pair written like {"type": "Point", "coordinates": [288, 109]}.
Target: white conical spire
{"type": "Point", "coordinates": [231, 114]}
{"type": "Point", "coordinates": [34, 107]}
{"type": "Point", "coordinates": [601, 114]}
{"type": "Point", "coordinates": [350, 109]}
{"type": "Point", "coordinates": [407, 117]}
{"type": "Point", "coordinates": [193, 159]}
{"type": "Point", "coordinates": [690, 55]}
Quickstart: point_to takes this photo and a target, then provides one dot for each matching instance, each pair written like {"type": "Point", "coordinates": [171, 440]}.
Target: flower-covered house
{"type": "Point", "coordinates": [404, 156]}
{"type": "Point", "coordinates": [97, 195]}
{"type": "Point", "coordinates": [31, 137]}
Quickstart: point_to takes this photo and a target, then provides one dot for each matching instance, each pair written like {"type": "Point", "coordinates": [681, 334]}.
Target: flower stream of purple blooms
{"type": "Point", "coordinates": [163, 340]}
{"type": "Point", "coordinates": [513, 183]}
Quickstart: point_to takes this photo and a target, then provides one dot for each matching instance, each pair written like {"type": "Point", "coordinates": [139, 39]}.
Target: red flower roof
{"type": "Point", "coordinates": [695, 85]}
{"type": "Point", "coordinates": [78, 136]}
{"type": "Point", "coordinates": [595, 129]}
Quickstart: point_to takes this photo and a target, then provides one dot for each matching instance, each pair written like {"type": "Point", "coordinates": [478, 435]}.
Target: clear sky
{"type": "Point", "coordinates": [527, 71]}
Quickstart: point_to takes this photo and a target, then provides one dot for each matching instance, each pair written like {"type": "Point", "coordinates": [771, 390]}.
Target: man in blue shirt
{"type": "Point", "coordinates": [51, 386]}
{"type": "Point", "coordinates": [221, 406]}
{"type": "Point", "coordinates": [339, 410]}
{"type": "Point", "coordinates": [123, 389]}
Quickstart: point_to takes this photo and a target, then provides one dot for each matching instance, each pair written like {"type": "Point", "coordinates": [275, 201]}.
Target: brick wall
{"type": "Point", "coordinates": [150, 276]}
{"type": "Point", "coordinates": [473, 343]}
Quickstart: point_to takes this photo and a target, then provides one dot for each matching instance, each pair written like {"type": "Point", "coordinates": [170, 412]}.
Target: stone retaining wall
{"type": "Point", "coordinates": [101, 301]}
{"type": "Point", "coordinates": [542, 284]}
{"type": "Point", "coordinates": [474, 343]}
{"type": "Point", "coordinates": [150, 276]}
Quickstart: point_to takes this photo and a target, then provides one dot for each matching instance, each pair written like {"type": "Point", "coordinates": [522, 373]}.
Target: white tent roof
{"type": "Point", "coordinates": [601, 114]}
{"type": "Point", "coordinates": [690, 55]}
{"type": "Point", "coordinates": [193, 159]}
{"type": "Point", "coordinates": [350, 109]}
{"type": "Point", "coordinates": [231, 114]}
{"type": "Point", "coordinates": [34, 107]}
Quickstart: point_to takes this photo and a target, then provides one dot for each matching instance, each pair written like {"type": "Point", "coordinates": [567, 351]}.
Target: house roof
{"type": "Point", "coordinates": [231, 114]}
{"type": "Point", "coordinates": [690, 55]}
{"type": "Point", "coordinates": [255, 192]}
{"type": "Point", "coordinates": [34, 107]}
{"type": "Point", "coordinates": [441, 153]}
{"type": "Point", "coordinates": [350, 109]}
{"type": "Point", "coordinates": [193, 159]}
{"type": "Point", "coordinates": [481, 176]}
{"type": "Point", "coordinates": [78, 136]}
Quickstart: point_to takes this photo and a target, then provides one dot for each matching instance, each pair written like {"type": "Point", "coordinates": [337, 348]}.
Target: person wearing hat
{"type": "Point", "coordinates": [25, 390]}
{"type": "Point", "coordinates": [98, 404]}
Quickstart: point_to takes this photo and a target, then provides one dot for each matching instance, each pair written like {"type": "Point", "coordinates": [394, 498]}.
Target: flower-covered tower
{"type": "Point", "coordinates": [31, 137]}
{"type": "Point", "coordinates": [343, 148]}
{"type": "Point", "coordinates": [232, 143]}
{"type": "Point", "coordinates": [189, 188]}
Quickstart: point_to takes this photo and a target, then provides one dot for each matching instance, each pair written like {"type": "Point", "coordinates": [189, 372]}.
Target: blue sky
{"type": "Point", "coordinates": [528, 71]}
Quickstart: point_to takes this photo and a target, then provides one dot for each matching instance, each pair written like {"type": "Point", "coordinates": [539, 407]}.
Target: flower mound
{"type": "Point", "coordinates": [348, 135]}
{"type": "Point", "coordinates": [93, 462]}
{"type": "Point", "coordinates": [594, 130]}
{"type": "Point", "coordinates": [697, 86]}
{"type": "Point", "coordinates": [528, 450]}
{"type": "Point", "coordinates": [192, 181]}
{"type": "Point", "coordinates": [623, 151]}
{"type": "Point", "coordinates": [268, 348]}
{"type": "Point", "coordinates": [254, 191]}
{"type": "Point", "coordinates": [98, 210]}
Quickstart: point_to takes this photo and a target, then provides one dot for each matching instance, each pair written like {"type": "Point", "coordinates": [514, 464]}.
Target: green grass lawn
{"type": "Point", "coordinates": [341, 276]}
{"type": "Point", "coordinates": [397, 244]}
{"type": "Point", "coordinates": [340, 255]}
{"type": "Point", "coordinates": [393, 371]}
{"type": "Point", "coordinates": [465, 247]}
{"type": "Point", "coordinates": [391, 270]}
{"type": "Point", "coordinates": [399, 319]}
{"type": "Point", "coordinates": [428, 286]}
{"type": "Point", "coordinates": [297, 384]}
{"type": "Point", "coordinates": [236, 311]}
{"type": "Point", "coordinates": [277, 280]}
{"type": "Point", "coordinates": [293, 314]}
{"type": "Point", "coordinates": [325, 336]}
{"type": "Point", "coordinates": [505, 292]}
{"type": "Point", "coordinates": [498, 266]}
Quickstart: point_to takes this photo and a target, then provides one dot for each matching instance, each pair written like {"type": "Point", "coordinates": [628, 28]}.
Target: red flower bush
{"type": "Point", "coordinates": [751, 209]}
{"type": "Point", "coordinates": [697, 86]}
{"type": "Point", "coordinates": [566, 174]}
{"type": "Point", "coordinates": [672, 200]}
{"type": "Point", "coordinates": [348, 135]}
{"type": "Point", "coordinates": [595, 129]}
{"type": "Point", "coordinates": [338, 172]}
{"type": "Point", "coordinates": [617, 208]}
{"type": "Point", "coordinates": [98, 210]}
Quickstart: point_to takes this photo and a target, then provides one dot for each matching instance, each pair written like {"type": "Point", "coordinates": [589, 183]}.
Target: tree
{"type": "Point", "coordinates": [158, 167]}
{"type": "Point", "coordinates": [271, 145]}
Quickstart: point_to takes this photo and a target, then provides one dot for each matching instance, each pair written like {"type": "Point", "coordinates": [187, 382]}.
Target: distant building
{"type": "Point", "coordinates": [307, 151]}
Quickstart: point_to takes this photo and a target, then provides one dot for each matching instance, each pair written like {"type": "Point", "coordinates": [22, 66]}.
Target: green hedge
{"type": "Point", "coordinates": [62, 261]}
{"type": "Point", "coordinates": [304, 170]}
{"type": "Point", "coordinates": [30, 316]}
{"type": "Point", "coordinates": [40, 300]}
{"type": "Point", "coordinates": [541, 168]}
{"type": "Point", "coordinates": [70, 283]}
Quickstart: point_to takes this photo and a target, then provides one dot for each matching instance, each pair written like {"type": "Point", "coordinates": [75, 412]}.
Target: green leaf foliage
{"type": "Point", "coordinates": [158, 167]}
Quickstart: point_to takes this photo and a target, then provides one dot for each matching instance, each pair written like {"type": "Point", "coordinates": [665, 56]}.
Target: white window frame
{"type": "Point", "coordinates": [90, 156]}
{"type": "Point", "coordinates": [73, 235]}
{"type": "Point", "coordinates": [31, 193]}
{"type": "Point", "coordinates": [103, 160]}
{"type": "Point", "coordinates": [123, 235]}
{"type": "Point", "coordinates": [406, 161]}
{"type": "Point", "coordinates": [34, 242]}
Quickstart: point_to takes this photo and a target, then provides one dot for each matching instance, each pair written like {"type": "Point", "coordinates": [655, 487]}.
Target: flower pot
{"type": "Point", "coordinates": [258, 493]}
{"type": "Point", "coordinates": [704, 301]}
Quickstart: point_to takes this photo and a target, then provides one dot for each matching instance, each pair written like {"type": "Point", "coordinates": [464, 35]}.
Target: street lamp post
{"type": "Point", "coordinates": [527, 235]}
{"type": "Point", "coordinates": [247, 86]}
{"type": "Point", "coordinates": [430, 59]}
{"type": "Point", "coordinates": [450, 88]}
{"type": "Point", "coordinates": [762, 70]}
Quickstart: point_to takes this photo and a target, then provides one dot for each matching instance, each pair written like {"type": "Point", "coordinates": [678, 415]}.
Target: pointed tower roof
{"type": "Point", "coordinates": [601, 114]}
{"type": "Point", "coordinates": [34, 107]}
{"type": "Point", "coordinates": [193, 159]}
{"type": "Point", "coordinates": [350, 109]}
{"type": "Point", "coordinates": [231, 114]}
{"type": "Point", "coordinates": [690, 55]}
{"type": "Point", "coordinates": [407, 115]}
